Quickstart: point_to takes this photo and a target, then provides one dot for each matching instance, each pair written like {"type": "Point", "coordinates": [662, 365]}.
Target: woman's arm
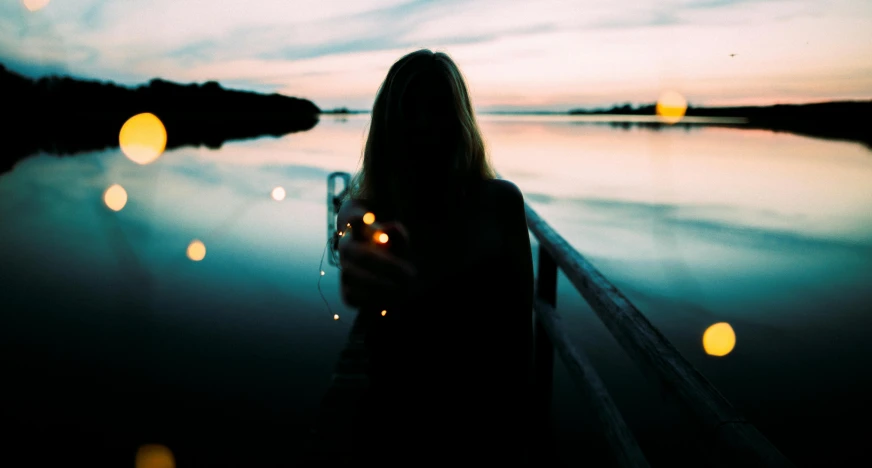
{"type": "Point", "coordinates": [370, 274]}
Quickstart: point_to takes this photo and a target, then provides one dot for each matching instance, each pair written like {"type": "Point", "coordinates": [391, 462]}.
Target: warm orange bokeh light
{"type": "Point", "coordinates": [671, 107]}
{"type": "Point", "coordinates": [143, 138]}
{"type": "Point", "coordinates": [34, 5]}
{"type": "Point", "coordinates": [384, 312]}
{"type": "Point", "coordinates": [381, 237]}
{"type": "Point", "coordinates": [368, 218]}
{"type": "Point", "coordinates": [196, 250]}
{"type": "Point", "coordinates": [719, 339]}
{"type": "Point", "coordinates": [154, 456]}
{"type": "Point", "coordinates": [335, 316]}
{"type": "Point", "coordinates": [115, 197]}
{"type": "Point", "coordinates": [278, 194]}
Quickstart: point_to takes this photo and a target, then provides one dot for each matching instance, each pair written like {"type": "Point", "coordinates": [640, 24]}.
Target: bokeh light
{"type": "Point", "coordinates": [381, 237]}
{"type": "Point", "coordinates": [196, 250]}
{"type": "Point", "coordinates": [368, 218]}
{"type": "Point", "coordinates": [335, 316]}
{"type": "Point", "coordinates": [154, 456]}
{"type": "Point", "coordinates": [719, 339]}
{"type": "Point", "coordinates": [115, 197]}
{"type": "Point", "coordinates": [34, 5]}
{"type": "Point", "coordinates": [384, 312]}
{"type": "Point", "coordinates": [671, 107]}
{"type": "Point", "coordinates": [143, 138]}
{"type": "Point", "coordinates": [278, 194]}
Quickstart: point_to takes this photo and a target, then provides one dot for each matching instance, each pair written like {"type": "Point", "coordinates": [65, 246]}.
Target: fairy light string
{"type": "Point", "coordinates": [378, 236]}
{"type": "Point", "coordinates": [321, 274]}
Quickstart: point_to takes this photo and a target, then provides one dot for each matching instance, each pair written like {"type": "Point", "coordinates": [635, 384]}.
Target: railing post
{"type": "Point", "coordinates": [543, 350]}
{"type": "Point", "coordinates": [334, 202]}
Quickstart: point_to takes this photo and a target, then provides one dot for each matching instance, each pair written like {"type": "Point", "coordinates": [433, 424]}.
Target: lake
{"type": "Point", "coordinates": [113, 338]}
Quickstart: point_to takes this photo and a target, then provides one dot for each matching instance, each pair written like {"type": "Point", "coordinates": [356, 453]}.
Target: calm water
{"type": "Point", "coordinates": [769, 232]}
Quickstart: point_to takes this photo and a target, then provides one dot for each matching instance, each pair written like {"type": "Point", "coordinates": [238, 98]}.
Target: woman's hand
{"type": "Point", "coordinates": [373, 274]}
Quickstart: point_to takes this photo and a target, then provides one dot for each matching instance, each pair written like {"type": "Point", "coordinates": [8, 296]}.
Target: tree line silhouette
{"type": "Point", "coordinates": [63, 115]}
{"type": "Point", "coordinates": [839, 120]}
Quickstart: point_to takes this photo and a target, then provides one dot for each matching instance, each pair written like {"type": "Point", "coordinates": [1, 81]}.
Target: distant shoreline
{"type": "Point", "coordinates": [344, 111]}
{"type": "Point", "coordinates": [63, 115]}
{"type": "Point", "coordinates": [838, 120]}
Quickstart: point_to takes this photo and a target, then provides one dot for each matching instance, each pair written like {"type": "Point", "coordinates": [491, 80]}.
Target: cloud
{"type": "Point", "coordinates": [555, 54]}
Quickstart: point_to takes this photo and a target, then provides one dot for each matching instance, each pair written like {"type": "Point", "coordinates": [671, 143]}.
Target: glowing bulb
{"type": "Point", "coordinates": [322, 273]}
{"type": "Point", "coordinates": [143, 138]}
{"type": "Point", "coordinates": [278, 194]}
{"type": "Point", "coordinates": [335, 316]}
{"type": "Point", "coordinates": [719, 339]}
{"type": "Point", "coordinates": [115, 197]}
{"type": "Point", "coordinates": [384, 312]}
{"type": "Point", "coordinates": [671, 107]}
{"type": "Point", "coordinates": [154, 456]}
{"type": "Point", "coordinates": [368, 218]}
{"type": "Point", "coordinates": [196, 250]}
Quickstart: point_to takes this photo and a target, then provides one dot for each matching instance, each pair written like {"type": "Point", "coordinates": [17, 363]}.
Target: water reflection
{"type": "Point", "coordinates": [771, 247]}
{"type": "Point", "coordinates": [143, 138]}
{"type": "Point", "coordinates": [115, 197]}
{"type": "Point", "coordinates": [719, 339]}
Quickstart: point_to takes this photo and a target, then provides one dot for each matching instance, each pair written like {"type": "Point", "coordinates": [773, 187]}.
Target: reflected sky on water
{"type": "Point", "coordinates": [768, 232]}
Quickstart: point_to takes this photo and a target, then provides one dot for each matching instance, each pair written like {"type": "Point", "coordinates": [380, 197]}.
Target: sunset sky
{"type": "Point", "coordinates": [516, 55]}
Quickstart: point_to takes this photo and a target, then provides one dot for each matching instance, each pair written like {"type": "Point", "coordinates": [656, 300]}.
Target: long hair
{"type": "Point", "coordinates": [423, 137]}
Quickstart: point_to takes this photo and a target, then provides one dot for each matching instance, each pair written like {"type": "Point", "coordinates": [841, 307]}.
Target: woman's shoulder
{"type": "Point", "coordinates": [501, 194]}
{"type": "Point", "coordinates": [502, 187]}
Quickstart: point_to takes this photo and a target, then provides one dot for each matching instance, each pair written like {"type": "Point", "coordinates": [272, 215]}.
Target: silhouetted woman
{"type": "Point", "coordinates": [450, 357]}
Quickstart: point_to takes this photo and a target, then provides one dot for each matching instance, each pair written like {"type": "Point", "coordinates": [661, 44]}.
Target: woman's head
{"type": "Point", "coordinates": [423, 137]}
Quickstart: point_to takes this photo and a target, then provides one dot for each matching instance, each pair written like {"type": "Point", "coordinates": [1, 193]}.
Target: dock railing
{"type": "Point", "coordinates": [729, 438]}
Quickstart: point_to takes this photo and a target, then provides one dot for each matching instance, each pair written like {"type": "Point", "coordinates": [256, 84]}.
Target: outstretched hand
{"type": "Point", "coordinates": [374, 273]}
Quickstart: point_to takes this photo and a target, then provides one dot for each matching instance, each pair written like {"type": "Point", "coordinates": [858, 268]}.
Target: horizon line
{"type": "Point", "coordinates": [527, 111]}
{"type": "Point", "coordinates": [533, 111]}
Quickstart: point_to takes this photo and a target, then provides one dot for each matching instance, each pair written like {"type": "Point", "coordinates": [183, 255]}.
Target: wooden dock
{"type": "Point", "coordinates": [724, 435]}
